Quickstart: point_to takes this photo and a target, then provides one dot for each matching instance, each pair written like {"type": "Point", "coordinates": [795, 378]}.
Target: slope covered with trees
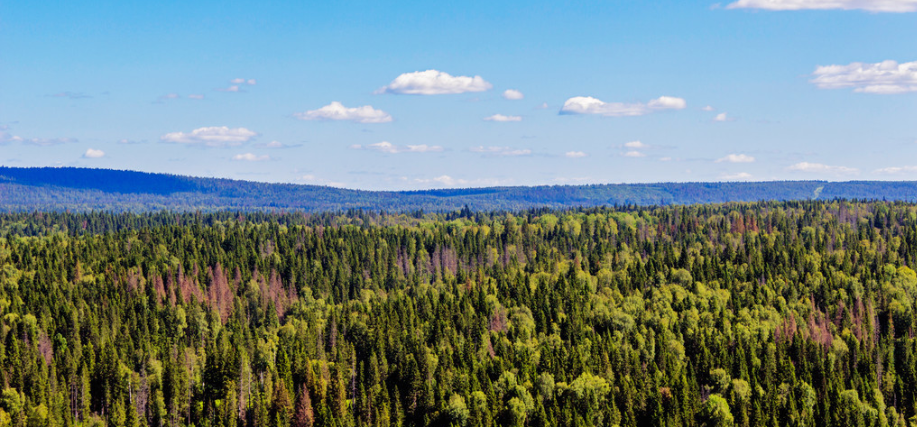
{"type": "Point", "coordinates": [78, 189]}
{"type": "Point", "coordinates": [759, 314]}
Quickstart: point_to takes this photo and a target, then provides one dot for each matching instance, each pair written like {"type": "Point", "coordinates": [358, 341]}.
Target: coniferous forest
{"type": "Point", "coordinates": [746, 314]}
{"type": "Point", "coordinates": [85, 190]}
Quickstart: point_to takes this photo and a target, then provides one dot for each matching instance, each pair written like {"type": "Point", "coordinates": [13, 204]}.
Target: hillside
{"type": "Point", "coordinates": [753, 314]}
{"type": "Point", "coordinates": [78, 189]}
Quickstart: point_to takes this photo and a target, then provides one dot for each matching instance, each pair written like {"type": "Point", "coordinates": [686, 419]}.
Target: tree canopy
{"type": "Point", "coordinates": [742, 314]}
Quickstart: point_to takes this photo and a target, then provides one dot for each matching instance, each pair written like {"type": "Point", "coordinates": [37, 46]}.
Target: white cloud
{"type": "Point", "coordinates": [251, 157]}
{"type": "Point", "coordinates": [886, 77]}
{"type": "Point", "coordinates": [634, 153]}
{"type": "Point", "coordinates": [868, 5]}
{"type": "Point", "coordinates": [215, 136]}
{"type": "Point", "coordinates": [249, 82]}
{"type": "Point", "coordinates": [513, 94]}
{"type": "Point", "coordinates": [575, 154]}
{"type": "Point", "coordinates": [897, 169]}
{"type": "Point", "coordinates": [433, 82]}
{"type": "Point", "coordinates": [337, 111]}
{"type": "Point", "coordinates": [275, 144]}
{"type": "Point", "coordinates": [635, 144]}
{"type": "Point", "coordinates": [501, 151]}
{"type": "Point", "coordinates": [170, 96]}
{"type": "Point", "coordinates": [388, 147]}
{"type": "Point", "coordinates": [196, 96]}
{"type": "Point", "coordinates": [590, 105]}
{"type": "Point", "coordinates": [233, 88]}
{"type": "Point", "coordinates": [707, 108]}
{"type": "Point", "coordinates": [93, 154]}
{"type": "Point", "coordinates": [667, 103]}
{"type": "Point", "coordinates": [6, 137]}
{"type": "Point", "coordinates": [722, 117]}
{"type": "Point", "coordinates": [502, 118]}
{"type": "Point", "coordinates": [736, 176]}
{"type": "Point", "coordinates": [736, 158]}
{"type": "Point", "coordinates": [822, 168]}
{"type": "Point", "coordinates": [543, 106]}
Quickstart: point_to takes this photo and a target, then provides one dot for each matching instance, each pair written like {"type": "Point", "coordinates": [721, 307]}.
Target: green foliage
{"type": "Point", "coordinates": [716, 412]}
{"type": "Point", "coordinates": [796, 313]}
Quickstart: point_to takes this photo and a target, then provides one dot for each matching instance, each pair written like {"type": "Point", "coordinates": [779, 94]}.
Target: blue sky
{"type": "Point", "coordinates": [408, 95]}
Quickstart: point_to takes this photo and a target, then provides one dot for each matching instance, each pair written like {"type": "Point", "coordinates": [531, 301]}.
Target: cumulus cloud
{"type": "Point", "coordinates": [337, 111]}
{"type": "Point", "coordinates": [215, 136]}
{"type": "Point", "coordinates": [251, 157]}
{"type": "Point", "coordinates": [92, 153]}
{"type": "Point", "coordinates": [634, 153]}
{"type": "Point", "coordinates": [886, 77]}
{"type": "Point", "coordinates": [635, 144]}
{"type": "Point", "coordinates": [722, 117]}
{"type": "Point", "coordinates": [513, 94]}
{"type": "Point", "coordinates": [575, 154]}
{"type": "Point", "coordinates": [502, 118]}
{"type": "Point", "coordinates": [433, 82]}
{"type": "Point", "coordinates": [707, 108]}
{"type": "Point", "coordinates": [501, 151]}
{"type": "Point", "coordinates": [590, 105]}
{"type": "Point", "coordinates": [868, 5]}
{"type": "Point", "coordinates": [822, 168]}
{"type": "Point", "coordinates": [736, 158]}
{"type": "Point", "coordinates": [388, 147]}
{"type": "Point", "coordinates": [667, 103]}
{"type": "Point", "coordinates": [741, 176]}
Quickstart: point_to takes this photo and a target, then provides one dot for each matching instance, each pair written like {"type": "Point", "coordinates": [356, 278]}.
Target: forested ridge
{"type": "Point", "coordinates": [85, 190]}
{"type": "Point", "coordinates": [740, 314]}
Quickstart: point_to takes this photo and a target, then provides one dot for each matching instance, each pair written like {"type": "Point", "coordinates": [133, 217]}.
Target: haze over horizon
{"type": "Point", "coordinates": [417, 95]}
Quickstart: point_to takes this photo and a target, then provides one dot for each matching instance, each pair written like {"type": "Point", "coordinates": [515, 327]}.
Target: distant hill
{"type": "Point", "coordinates": [80, 189]}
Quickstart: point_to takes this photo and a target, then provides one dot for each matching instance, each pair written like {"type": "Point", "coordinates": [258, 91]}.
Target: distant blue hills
{"type": "Point", "coordinates": [83, 189]}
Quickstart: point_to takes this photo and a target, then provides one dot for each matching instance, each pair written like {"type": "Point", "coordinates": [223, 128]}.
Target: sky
{"type": "Point", "coordinates": [413, 95]}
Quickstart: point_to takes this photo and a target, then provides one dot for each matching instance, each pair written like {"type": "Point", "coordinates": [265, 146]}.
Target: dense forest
{"type": "Point", "coordinates": [85, 190]}
{"type": "Point", "coordinates": [743, 314]}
